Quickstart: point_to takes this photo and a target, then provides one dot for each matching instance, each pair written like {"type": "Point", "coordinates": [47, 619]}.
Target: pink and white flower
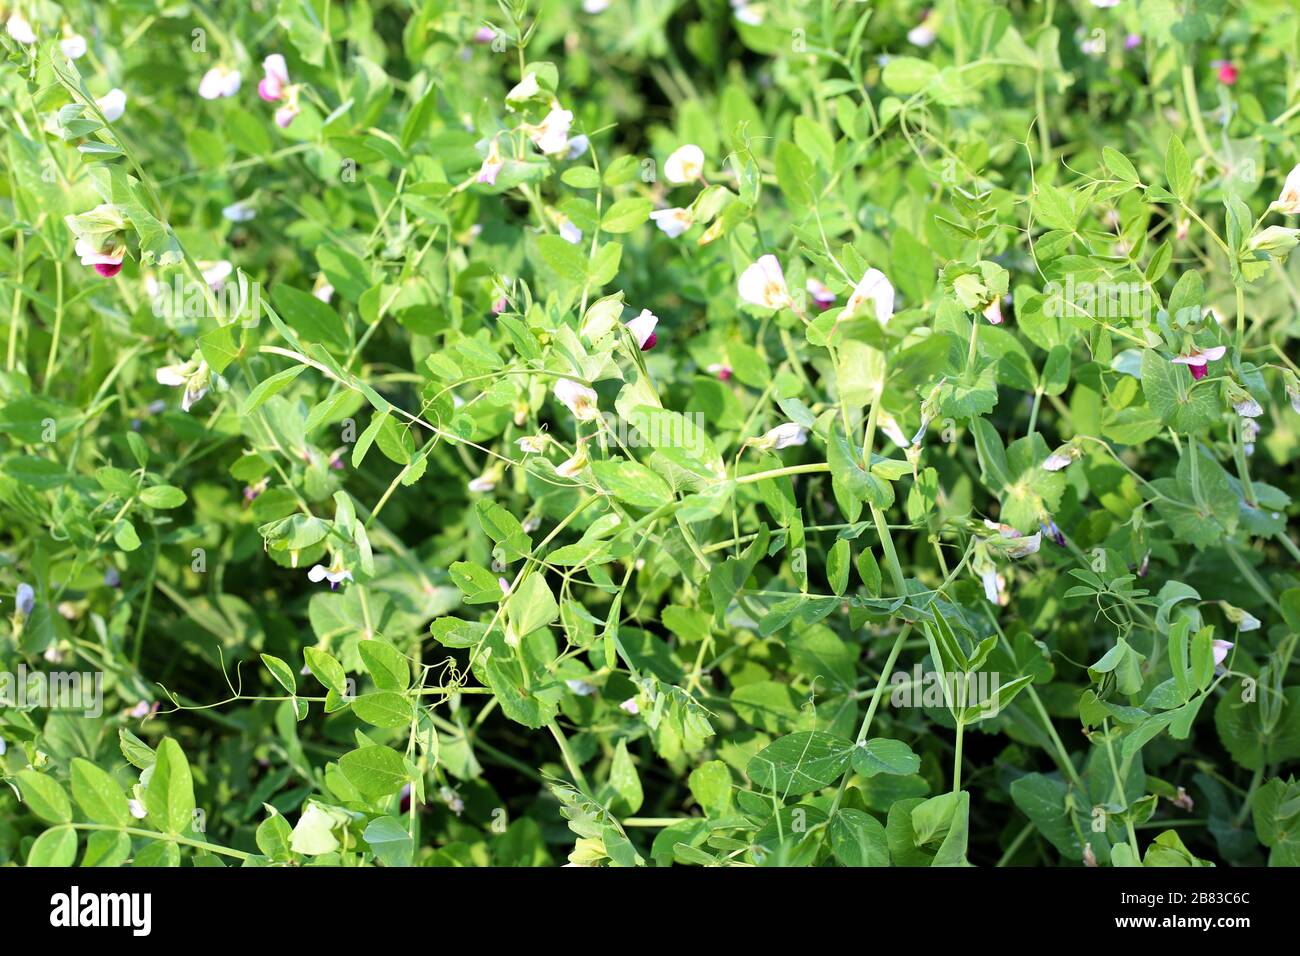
{"type": "Point", "coordinates": [220, 81]}
{"type": "Point", "coordinates": [1221, 649]}
{"type": "Point", "coordinates": [822, 297]}
{"type": "Point", "coordinates": [721, 371]}
{"type": "Point", "coordinates": [107, 261]}
{"type": "Point", "coordinates": [684, 164]}
{"type": "Point", "coordinates": [993, 311]}
{"type": "Point", "coordinates": [643, 329]}
{"type": "Point", "coordinates": [763, 284]}
{"type": "Point", "coordinates": [1197, 359]}
{"type": "Point", "coordinates": [275, 79]}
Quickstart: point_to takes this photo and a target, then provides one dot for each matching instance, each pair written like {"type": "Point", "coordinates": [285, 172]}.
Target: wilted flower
{"type": "Point", "coordinates": [763, 284]}
{"type": "Point", "coordinates": [194, 376]}
{"type": "Point", "coordinates": [1288, 201]}
{"type": "Point", "coordinates": [578, 398]}
{"type": "Point", "coordinates": [335, 574]}
{"type": "Point", "coordinates": [572, 467]}
{"type": "Point", "coordinates": [218, 82]}
{"type": "Point", "coordinates": [643, 329]}
{"type": "Point", "coordinates": [673, 222]}
{"type": "Point", "coordinates": [876, 289]}
{"type": "Point", "coordinates": [551, 136]}
{"type": "Point", "coordinates": [1063, 457]}
{"type": "Point", "coordinates": [1244, 620]}
{"type": "Point", "coordinates": [532, 444]}
{"type": "Point", "coordinates": [275, 80]}
{"type": "Point", "coordinates": [484, 482]}
{"type": "Point", "coordinates": [1243, 403]}
{"type": "Point", "coordinates": [252, 491]}
{"type": "Point", "coordinates": [782, 436]}
{"type": "Point", "coordinates": [684, 164]}
{"type": "Point", "coordinates": [1012, 542]}
{"type": "Point", "coordinates": [1249, 432]}
{"type": "Point", "coordinates": [1197, 359]}
{"type": "Point", "coordinates": [888, 424]}
{"type": "Point", "coordinates": [1052, 531]}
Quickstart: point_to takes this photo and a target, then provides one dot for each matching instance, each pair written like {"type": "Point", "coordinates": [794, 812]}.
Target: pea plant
{"type": "Point", "coordinates": [701, 433]}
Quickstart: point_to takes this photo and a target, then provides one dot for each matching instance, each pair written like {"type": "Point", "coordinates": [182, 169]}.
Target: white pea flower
{"type": "Point", "coordinates": [483, 483]}
{"type": "Point", "coordinates": [525, 89]}
{"type": "Point", "coordinates": [335, 574]}
{"type": "Point", "coordinates": [194, 376]}
{"type": "Point", "coordinates": [20, 29]}
{"type": "Point", "coordinates": [873, 288]}
{"type": "Point", "coordinates": [577, 146]}
{"type": "Point", "coordinates": [1221, 649]}
{"type": "Point", "coordinates": [569, 232]}
{"type": "Point", "coordinates": [581, 687]}
{"type": "Point", "coordinates": [1288, 201]}
{"type": "Point", "coordinates": [239, 212]}
{"type": "Point", "coordinates": [763, 284]}
{"type": "Point", "coordinates": [630, 706]}
{"type": "Point", "coordinates": [137, 809]}
{"type": "Point", "coordinates": [218, 82]}
{"type": "Point", "coordinates": [73, 46]}
{"type": "Point", "coordinates": [673, 222]}
{"type": "Point", "coordinates": [577, 398]}
{"type": "Point", "coordinates": [684, 164]}
{"type": "Point", "coordinates": [782, 436]}
{"type": "Point", "coordinates": [551, 136]}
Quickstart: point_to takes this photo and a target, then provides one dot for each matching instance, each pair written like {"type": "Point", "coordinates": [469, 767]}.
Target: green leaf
{"type": "Point", "coordinates": [98, 794]}
{"type": "Point", "coordinates": [44, 796]}
{"type": "Point", "coordinates": [282, 672]}
{"type": "Point", "coordinates": [169, 797]}
{"type": "Point", "coordinates": [54, 847]}
{"type": "Point", "coordinates": [858, 839]}
{"type": "Point", "coordinates": [386, 664]}
{"type": "Point", "coordinates": [384, 708]}
{"type": "Point", "coordinates": [376, 771]}
{"type": "Point", "coordinates": [882, 755]}
{"type": "Point", "coordinates": [800, 763]}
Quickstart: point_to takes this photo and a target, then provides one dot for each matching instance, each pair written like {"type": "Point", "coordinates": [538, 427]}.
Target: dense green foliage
{"type": "Point", "coordinates": [650, 432]}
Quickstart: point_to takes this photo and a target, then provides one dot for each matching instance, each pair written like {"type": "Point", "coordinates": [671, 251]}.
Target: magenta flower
{"type": "Point", "coordinates": [1197, 359]}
